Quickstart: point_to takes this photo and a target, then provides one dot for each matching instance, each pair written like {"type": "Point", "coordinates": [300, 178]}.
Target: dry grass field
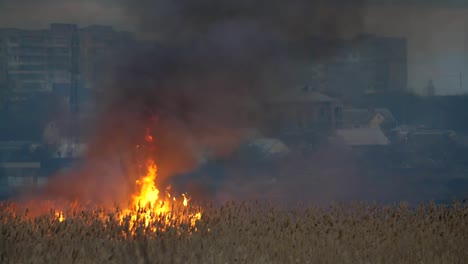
{"type": "Point", "coordinates": [249, 232]}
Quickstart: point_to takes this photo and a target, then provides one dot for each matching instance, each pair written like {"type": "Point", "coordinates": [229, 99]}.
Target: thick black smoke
{"type": "Point", "coordinates": [216, 57]}
{"type": "Point", "coordinates": [214, 60]}
{"type": "Point", "coordinates": [182, 19]}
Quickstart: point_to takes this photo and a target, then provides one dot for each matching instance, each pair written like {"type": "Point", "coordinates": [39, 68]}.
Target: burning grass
{"type": "Point", "coordinates": [248, 232]}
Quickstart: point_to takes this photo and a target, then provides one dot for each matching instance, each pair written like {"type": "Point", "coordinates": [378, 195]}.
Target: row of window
{"type": "Point", "coordinates": [27, 76]}
{"type": "Point", "coordinates": [27, 67]}
{"type": "Point", "coordinates": [41, 50]}
{"type": "Point", "coordinates": [39, 59]}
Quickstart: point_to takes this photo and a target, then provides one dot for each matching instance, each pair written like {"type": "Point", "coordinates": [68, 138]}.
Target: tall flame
{"type": "Point", "coordinates": [147, 201]}
{"type": "Point", "coordinates": [148, 204]}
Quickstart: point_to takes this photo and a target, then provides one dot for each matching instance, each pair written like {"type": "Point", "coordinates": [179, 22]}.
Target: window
{"type": "Point", "coordinates": [33, 86]}
{"type": "Point", "coordinates": [13, 40]}
{"type": "Point", "coordinates": [27, 76]}
{"type": "Point", "coordinates": [31, 58]}
{"type": "Point", "coordinates": [31, 67]}
{"type": "Point", "coordinates": [31, 49]}
{"type": "Point", "coordinates": [58, 51]}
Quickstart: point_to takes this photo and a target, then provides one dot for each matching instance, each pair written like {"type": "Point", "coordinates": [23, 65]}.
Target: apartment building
{"type": "Point", "coordinates": [24, 59]}
{"type": "Point", "coordinates": [44, 60]}
{"type": "Point", "coordinates": [99, 45]}
{"type": "Point", "coordinates": [369, 64]}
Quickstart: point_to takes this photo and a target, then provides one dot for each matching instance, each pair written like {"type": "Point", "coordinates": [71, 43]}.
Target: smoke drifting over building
{"type": "Point", "coordinates": [218, 55]}
{"type": "Point", "coordinates": [214, 59]}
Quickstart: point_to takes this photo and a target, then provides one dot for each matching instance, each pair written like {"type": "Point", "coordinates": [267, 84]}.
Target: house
{"type": "Point", "coordinates": [362, 137]}
{"type": "Point", "coordinates": [383, 118]}
{"type": "Point", "coordinates": [302, 111]}
{"type": "Point", "coordinates": [355, 118]}
{"type": "Point", "coordinates": [262, 149]}
{"type": "Point", "coordinates": [375, 118]}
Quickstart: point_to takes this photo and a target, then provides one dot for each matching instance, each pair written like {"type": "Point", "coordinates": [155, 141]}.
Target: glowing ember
{"type": "Point", "coordinates": [148, 136]}
{"type": "Point", "coordinates": [59, 216]}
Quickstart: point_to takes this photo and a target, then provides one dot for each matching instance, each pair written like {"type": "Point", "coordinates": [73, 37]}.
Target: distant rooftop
{"type": "Point", "coordinates": [362, 117]}
{"type": "Point", "coordinates": [363, 137]}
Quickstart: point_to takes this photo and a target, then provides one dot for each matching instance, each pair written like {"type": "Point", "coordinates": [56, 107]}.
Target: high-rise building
{"type": "Point", "coordinates": [45, 61]}
{"type": "Point", "coordinates": [25, 59]}
{"type": "Point", "coordinates": [100, 45]}
{"type": "Point", "coordinates": [364, 64]}
{"type": "Point", "coordinates": [59, 55]}
{"type": "Point", "coordinates": [3, 64]}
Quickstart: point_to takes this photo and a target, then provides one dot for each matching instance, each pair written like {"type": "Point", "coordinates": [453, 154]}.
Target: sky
{"type": "Point", "coordinates": [437, 36]}
{"type": "Point", "coordinates": [437, 43]}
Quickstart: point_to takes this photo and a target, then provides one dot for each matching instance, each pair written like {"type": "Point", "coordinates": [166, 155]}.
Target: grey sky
{"type": "Point", "coordinates": [437, 35]}
{"type": "Point", "coordinates": [437, 43]}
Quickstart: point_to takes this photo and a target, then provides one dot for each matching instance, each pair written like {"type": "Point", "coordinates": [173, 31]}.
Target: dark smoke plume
{"type": "Point", "coordinates": [215, 59]}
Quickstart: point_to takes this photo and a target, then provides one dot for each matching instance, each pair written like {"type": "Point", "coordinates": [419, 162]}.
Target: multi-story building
{"type": "Point", "coordinates": [302, 113]}
{"type": "Point", "coordinates": [44, 60]}
{"type": "Point", "coordinates": [364, 64]}
{"type": "Point", "coordinates": [100, 45]}
{"type": "Point", "coordinates": [59, 55]}
{"type": "Point", "coordinates": [3, 74]}
{"type": "Point", "coordinates": [25, 59]}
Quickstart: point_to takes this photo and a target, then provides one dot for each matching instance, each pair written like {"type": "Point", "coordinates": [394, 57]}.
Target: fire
{"type": "Point", "coordinates": [149, 205]}
{"type": "Point", "coordinates": [147, 201]}
{"type": "Point", "coordinates": [148, 136]}
{"type": "Point", "coordinates": [59, 216]}
{"type": "Point", "coordinates": [149, 194]}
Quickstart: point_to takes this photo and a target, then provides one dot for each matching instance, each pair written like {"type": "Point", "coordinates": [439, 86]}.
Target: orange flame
{"type": "Point", "coordinates": [147, 204]}
{"type": "Point", "coordinates": [147, 201]}
{"type": "Point", "coordinates": [59, 216]}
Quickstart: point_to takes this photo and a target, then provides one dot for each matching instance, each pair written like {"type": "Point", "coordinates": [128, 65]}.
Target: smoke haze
{"type": "Point", "coordinates": [214, 60]}
{"type": "Point", "coordinates": [435, 31]}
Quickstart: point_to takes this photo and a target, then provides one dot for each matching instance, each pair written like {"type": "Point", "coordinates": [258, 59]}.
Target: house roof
{"type": "Point", "coordinates": [362, 117]}
{"type": "Point", "coordinates": [386, 113]}
{"type": "Point", "coordinates": [363, 136]}
{"type": "Point", "coordinates": [300, 95]}
{"type": "Point", "coordinates": [356, 117]}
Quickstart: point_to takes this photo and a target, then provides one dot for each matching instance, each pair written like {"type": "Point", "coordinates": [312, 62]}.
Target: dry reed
{"type": "Point", "coordinates": [249, 232]}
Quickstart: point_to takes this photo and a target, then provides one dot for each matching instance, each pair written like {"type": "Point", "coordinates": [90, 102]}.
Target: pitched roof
{"type": "Point", "coordinates": [385, 113]}
{"type": "Point", "coordinates": [356, 117]}
{"type": "Point", "coordinates": [353, 117]}
{"type": "Point", "coordinates": [363, 136]}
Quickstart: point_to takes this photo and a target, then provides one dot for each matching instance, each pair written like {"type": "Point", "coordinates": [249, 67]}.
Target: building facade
{"type": "Point", "coordinates": [24, 59]}
{"type": "Point", "coordinates": [362, 65]}
{"type": "Point", "coordinates": [302, 113]}
{"type": "Point", "coordinates": [44, 60]}
{"type": "Point", "coordinates": [98, 46]}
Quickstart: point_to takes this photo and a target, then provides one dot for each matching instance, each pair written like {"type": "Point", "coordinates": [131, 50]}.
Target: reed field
{"type": "Point", "coordinates": [249, 232]}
